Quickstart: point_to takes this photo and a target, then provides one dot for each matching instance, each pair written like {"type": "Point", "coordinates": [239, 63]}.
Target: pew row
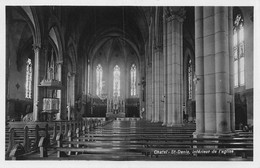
{"type": "Point", "coordinates": [25, 140]}
{"type": "Point", "coordinates": [148, 144]}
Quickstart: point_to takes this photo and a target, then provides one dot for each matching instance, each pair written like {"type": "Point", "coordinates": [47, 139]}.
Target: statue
{"type": "Point", "coordinates": [142, 113]}
{"type": "Point", "coordinates": [68, 110]}
{"type": "Point", "coordinates": [143, 84]}
{"type": "Point", "coordinates": [28, 117]}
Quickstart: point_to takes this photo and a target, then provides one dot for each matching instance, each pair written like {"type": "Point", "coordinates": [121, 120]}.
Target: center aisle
{"type": "Point", "coordinates": [130, 137]}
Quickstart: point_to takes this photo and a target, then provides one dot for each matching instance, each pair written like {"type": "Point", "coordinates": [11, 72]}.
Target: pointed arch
{"type": "Point", "coordinates": [31, 17]}
{"type": "Point", "coordinates": [72, 53]}
{"type": "Point", "coordinates": [54, 28]}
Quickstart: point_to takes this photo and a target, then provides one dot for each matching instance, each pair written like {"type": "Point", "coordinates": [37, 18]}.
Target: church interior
{"type": "Point", "coordinates": [129, 83]}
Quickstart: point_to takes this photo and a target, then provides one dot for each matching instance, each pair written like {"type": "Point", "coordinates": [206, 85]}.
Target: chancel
{"type": "Point", "coordinates": [129, 83]}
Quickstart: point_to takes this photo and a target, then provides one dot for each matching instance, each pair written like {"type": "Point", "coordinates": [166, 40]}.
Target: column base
{"type": "Point", "coordinates": [190, 119]}
{"type": "Point", "coordinates": [213, 135]}
{"type": "Point", "coordinates": [147, 119]}
{"type": "Point", "coordinates": [174, 125]}
{"type": "Point", "coordinates": [164, 124]}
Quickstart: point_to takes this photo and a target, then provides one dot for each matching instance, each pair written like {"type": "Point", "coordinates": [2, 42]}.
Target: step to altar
{"type": "Point", "coordinates": [117, 115]}
{"type": "Point", "coordinates": [129, 119]}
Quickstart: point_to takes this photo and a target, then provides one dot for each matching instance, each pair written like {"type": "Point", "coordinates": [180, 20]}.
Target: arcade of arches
{"type": "Point", "coordinates": [171, 65]}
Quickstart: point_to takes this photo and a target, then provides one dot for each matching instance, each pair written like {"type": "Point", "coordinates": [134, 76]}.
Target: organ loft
{"type": "Point", "coordinates": [129, 83]}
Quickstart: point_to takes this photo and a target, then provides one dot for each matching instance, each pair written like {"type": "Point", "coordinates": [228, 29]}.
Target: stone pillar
{"type": "Point", "coordinates": [146, 94]}
{"type": "Point", "coordinates": [157, 84]}
{"type": "Point", "coordinates": [165, 97]}
{"type": "Point", "coordinates": [209, 70]}
{"type": "Point", "coordinates": [161, 84]}
{"type": "Point", "coordinates": [213, 93]}
{"type": "Point", "coordinates": [169, 73]}
{"type": "Point", "coordinates": [59, 72]}
{"type": "Point", "coordinates": [36, 77]}
{"type": "Point", "coordinates": [72, 85]}
{"type": "Point", "coordinates": [68, 89]}
{"type": "Point", "coordinates": [199, 76]}
{"type": "Point", "coordinates": [149, 81]}
{"type": "Point", "coordinates": [177, 70]}
{"type": "Point", "coordinates": [222, 63]}
{"type": "Point", "coordinates": [156, 67]}
{"type": "Point", "coordinates": [175, 18]}
{"type": "Point", "coordinates": [149, 92]}
{"type": "Point", "coordinates": [86, 73]}
{"type": "Point", "coordinates": [153, 77]}
{"type": "Point", "coordinates": [71, 93]}
{"type": "Point", "coordinates": [231, 70]}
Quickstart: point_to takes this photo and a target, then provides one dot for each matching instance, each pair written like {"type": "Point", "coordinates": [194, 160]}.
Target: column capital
{"type": "Point", "coordinates": [73, 73]}
{"type": "Point", "coordinates": [158, 48]}
{"type": "Point", "coordinates": [174, 13]}
{"type": "Point", "coordinates": [44, 46]}
{"type": "Point", "coordinates": [59, 62]}
{"type": "Point", "coordinates": [36, 47]}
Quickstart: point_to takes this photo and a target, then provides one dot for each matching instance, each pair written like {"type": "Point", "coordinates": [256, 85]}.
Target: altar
{"type": "Point", "coordinates": [115, 108]}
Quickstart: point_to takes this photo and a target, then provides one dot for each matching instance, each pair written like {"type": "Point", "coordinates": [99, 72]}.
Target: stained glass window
{"type": "Point", "coordinates": [28, 84]}
{"type": "Point", "coordinates": [116, 81]}
{"type": "Point", "coordinates": [99, 74]}
{"type": "Point", "coordinates": [190, 78]}
{"type": "Point", "coordinates": [238, 51]}
{"type": "Point", "coordinates": [133, 80]}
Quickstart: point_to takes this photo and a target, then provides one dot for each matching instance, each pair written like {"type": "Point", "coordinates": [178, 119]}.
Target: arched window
{"type": "Point", "coordinates": [190, 78]}
{"type": "Point", "coordinates": [28, 83]}
{"type": "Point", "coordinates": [116, 81]}
{"type": "Point", "coordinates": [133, 80]}
{"type": "Point", "coordinates": [238, 50]}
{"type": "Point", "coordinates": [99, 74]}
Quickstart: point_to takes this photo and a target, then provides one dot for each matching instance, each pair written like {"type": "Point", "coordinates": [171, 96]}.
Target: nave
{"type": "Point", "coordinates": [71, 70]}
{"type": "Point", "coordinates": [132, 139]}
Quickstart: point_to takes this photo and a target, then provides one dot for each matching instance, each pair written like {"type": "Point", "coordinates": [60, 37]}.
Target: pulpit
{"type": "Point", "coordinates": [50, 103]}
{"type": "Point", "coordinates": [51, 87]}
{"type": "Point", "coordinates": [50, 108]}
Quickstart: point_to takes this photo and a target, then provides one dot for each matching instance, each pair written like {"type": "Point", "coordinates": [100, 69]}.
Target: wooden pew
{"type": "Point", "coordinates": [29, 136]}
{"type": "Point", "coordinates": [105, 143]}
{"type": "Point", "coordinates": [87, 137]}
